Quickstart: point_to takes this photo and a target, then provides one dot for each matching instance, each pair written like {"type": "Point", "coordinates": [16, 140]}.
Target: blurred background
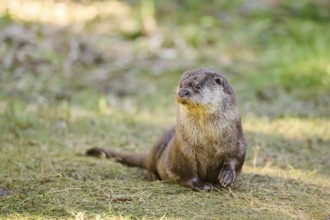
{"type": "Point", "coordinates": [276, 52]}
{"type": "Point", "coordinates": [76, 74]}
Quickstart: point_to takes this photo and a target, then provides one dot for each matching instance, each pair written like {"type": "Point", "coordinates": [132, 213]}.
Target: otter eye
{"type": "Point", "coordinates": [198, 86]}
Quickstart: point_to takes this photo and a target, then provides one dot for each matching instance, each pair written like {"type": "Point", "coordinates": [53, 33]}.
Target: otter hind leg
{"type": "Point", "coordinates": [197, 185]}
{"type": "Point", "coordinates": [153, 176]}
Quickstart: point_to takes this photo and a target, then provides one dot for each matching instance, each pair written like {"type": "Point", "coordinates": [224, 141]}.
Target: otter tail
{"type": "Point", "coordinates": [133, 160]}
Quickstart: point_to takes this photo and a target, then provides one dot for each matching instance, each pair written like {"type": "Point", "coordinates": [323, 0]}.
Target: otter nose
{"type": "Point", "coordinates": [183, 93]}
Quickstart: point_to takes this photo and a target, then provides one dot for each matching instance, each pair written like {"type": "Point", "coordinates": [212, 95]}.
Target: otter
{"type": "Point", "coordinates": [206, 147]}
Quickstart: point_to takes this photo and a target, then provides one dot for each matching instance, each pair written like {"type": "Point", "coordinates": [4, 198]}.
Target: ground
{"type": "Point", "coordinates": [104, 74]}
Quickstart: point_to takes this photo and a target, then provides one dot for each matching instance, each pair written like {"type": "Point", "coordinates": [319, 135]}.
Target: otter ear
{"type": "Point", "coordinates": [222, 82]}
{"type": "Point", "coordinates": [218, 80]}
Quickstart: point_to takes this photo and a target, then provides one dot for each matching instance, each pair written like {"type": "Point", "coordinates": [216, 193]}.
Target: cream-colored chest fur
{"type": "Point", "coordinates": [208, 137]}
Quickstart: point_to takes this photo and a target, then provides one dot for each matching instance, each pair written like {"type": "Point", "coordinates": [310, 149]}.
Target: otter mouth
{"type": "Point", "coordinates": [181, 100]}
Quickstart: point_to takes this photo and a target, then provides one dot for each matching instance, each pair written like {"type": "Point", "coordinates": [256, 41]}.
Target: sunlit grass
{"type": "Point", "coordinates": [62, 12]}
{"type": "Point", "coordinates": [292, 128]}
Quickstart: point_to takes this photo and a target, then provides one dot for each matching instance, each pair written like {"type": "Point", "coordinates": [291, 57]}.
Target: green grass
{"type": "Point", "coordinates": [64, 90]}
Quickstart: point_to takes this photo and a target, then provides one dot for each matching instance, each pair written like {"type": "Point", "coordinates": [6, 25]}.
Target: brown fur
{"type": "Point", "coordinates": [207, 144]}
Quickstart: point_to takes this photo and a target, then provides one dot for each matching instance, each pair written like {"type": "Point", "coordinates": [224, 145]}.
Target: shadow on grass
{"type": "Point", "coordinates": [309, 154]}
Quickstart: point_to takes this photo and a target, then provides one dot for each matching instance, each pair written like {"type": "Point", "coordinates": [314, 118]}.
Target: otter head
{"type": "Point", "coordinates": [204, 89]}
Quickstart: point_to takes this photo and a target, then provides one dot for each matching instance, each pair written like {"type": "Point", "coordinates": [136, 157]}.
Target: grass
{"type": "Point", "coordinates": [81, 82]}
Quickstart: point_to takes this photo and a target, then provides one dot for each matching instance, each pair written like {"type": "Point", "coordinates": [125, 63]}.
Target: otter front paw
{"type": "Point", "coordinates": [197, 185]}
{"type": "Point", "coordinates": [227, 177]}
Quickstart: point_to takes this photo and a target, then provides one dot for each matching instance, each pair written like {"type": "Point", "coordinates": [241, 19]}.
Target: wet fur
{"type": "Point", "coordinates": [206, 147]}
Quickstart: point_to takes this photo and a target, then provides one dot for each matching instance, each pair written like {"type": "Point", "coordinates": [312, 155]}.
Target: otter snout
{"type": "Point", "coordinates": [182, 96]}
{"type": "Point", "coordinates": [183, 93]}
